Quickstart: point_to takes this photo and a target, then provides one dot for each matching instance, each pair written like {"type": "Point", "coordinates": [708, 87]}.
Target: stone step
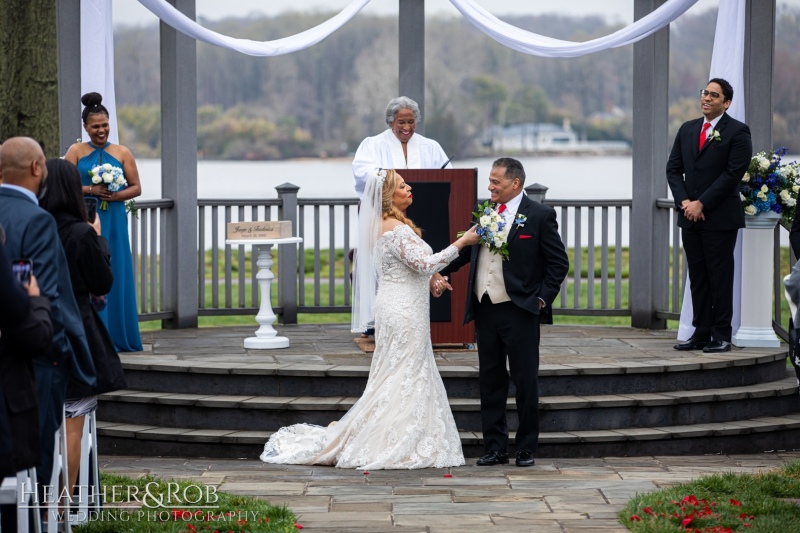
{"type": "Point", "coordinates": [557, 413]}
{"type": "Point", "coordinates": [742, 436]}
{"type": "Point", "coordinates": [164, 373]}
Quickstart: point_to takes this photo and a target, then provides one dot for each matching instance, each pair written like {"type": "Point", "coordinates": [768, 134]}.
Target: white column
{"type": "Point", "coordinates": [757, 249]}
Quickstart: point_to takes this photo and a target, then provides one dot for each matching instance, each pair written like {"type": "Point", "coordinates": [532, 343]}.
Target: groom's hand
{"type": "Point", "coordinates": [439, 284]}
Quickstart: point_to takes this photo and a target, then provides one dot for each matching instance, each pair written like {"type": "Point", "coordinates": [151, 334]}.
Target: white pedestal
{"type": "Point", "coordinates": [757, 273]}
{"type": "Point", "coordinates": [266, 337]}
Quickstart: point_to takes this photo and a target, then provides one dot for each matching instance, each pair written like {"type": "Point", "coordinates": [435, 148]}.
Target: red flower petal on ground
{"type": "Point", "coordinates": [298, 526]}
{"type": "Point", "coordinates": [366, 473]}
{"type": "Point", "coordinates": [636, 518]}
{"type": "Point", "coordinates": [736, 503]}
{"type": "Point", "coordinates": [747, 525]}
{"type": "Point", "coordinates": [448, 475]}
{"type": "Point", "coordinates": [686, 521]}
{"type": "Point", "coordinates": [648, 510]}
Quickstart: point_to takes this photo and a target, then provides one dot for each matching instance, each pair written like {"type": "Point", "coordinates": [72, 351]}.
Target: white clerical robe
{"type": "Point", "coordinates": [386, 151]}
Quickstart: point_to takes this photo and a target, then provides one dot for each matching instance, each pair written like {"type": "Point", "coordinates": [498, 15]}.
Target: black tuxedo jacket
{"type": "Point", "coordinates": [537, 261]}
{"type": "Point", "coordinates": [31, 233]}
{"type": "Point", "coordinates": [712, 174]}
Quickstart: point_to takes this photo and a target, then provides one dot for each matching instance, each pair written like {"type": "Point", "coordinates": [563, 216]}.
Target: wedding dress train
{"type": "Point", "coordinates": [403, 419]}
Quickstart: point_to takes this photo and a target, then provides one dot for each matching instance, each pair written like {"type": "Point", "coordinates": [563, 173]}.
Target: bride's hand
{"type": "Point", "coordinates": [439, 284]}
{"type": "Point", "coordinates": [469, 238]}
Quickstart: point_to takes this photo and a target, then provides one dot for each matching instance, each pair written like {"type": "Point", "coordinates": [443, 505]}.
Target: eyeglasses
{"type": "Point", "coordinates": [712, 94]}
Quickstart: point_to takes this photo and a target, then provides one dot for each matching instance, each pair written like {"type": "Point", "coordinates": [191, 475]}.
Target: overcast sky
{"type": "Point", "coordinates": [131, 12]}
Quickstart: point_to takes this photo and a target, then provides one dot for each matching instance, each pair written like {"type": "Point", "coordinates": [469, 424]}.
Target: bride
{"type": "Point", "coordinates": [403, 419]}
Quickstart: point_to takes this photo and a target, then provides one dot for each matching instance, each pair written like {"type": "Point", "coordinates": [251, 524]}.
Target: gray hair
{"type": "Point", "coordinates": [402, 102]}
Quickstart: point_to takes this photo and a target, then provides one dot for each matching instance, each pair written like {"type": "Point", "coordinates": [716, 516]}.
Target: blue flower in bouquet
{"type": "Point", "coordinates": [769, 185]}
{"type": "Point", "coordinates": [493, 229]}
{"type": "Point", "coordinates": [110, 176]}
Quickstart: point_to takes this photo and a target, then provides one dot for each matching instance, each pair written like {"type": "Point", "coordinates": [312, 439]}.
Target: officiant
{"type": "Point", "coordinates": [399, 146]}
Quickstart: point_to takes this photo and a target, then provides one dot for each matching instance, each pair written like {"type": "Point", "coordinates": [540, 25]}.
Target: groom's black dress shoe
{"type": "Point", "coordinates": [493, 458]}
{"type": "Point", "coordinates": [524, 458]}
{"type": "Point", "coordinates": [691, 344]}
{"type": "Point", "coordinates": [717, 347]}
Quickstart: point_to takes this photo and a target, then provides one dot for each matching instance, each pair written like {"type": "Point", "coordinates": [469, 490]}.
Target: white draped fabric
{"type": "Point", "coordinates": [727, 62]}
{"type": "Point", "coordinates": [504, 33]}
{"type": "Point", "coordinates": [168, 14]}
{"type": "Point", "coordinates": [97, 60]}
{"type": "Point", "coordinates": [539, 45]}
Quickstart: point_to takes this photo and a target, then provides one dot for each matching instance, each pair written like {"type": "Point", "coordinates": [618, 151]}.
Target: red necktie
{"type": "Point", "coordinates": [501, 208]}
{"type": "Point", "coordinates": [703, 135]}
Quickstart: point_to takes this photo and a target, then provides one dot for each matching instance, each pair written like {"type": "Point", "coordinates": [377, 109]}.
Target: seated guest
{"type": "Point", "coordinates": [398, 147]}
{"type": "Point", "coordinates": [25, 330]}
{"type": "Point", "coordinates": [31, 233]}
{"type": "Point", "coordinates": [89, 261]}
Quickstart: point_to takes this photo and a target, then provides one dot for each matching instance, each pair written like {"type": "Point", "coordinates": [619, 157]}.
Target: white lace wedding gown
{"type": "Point", "coordinates": [403, 419]}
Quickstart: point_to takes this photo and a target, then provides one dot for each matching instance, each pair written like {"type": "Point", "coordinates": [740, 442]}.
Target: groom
{"type": "Point", "coordinates": [508, 300]}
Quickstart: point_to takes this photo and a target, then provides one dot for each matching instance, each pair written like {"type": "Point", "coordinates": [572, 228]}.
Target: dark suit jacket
{"type": "Point", "coordinates": [537, 261]}
{"type": "Point", "coordinates": [31, 233]}
{"type": "Point", "coordinates": [794, 234]}
{"type": "Point", "coordinates": [712, 174]}
{"type": "Point", "coordinates": [25, 330]}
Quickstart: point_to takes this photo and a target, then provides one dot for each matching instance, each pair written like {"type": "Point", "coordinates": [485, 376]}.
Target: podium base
{"type": "Point", "coordinates": [756, 338]}
{"type": "Point", "coordinates": [269, 343]}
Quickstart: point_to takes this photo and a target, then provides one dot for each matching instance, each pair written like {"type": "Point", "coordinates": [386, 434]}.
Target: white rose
{"type": "Point", "coordinates": [107, 167]}
{"type": "Point", "coordinates": [761, 195]}
{"type": "Point", "coordinates": [784, 195]}
{"type": "Point", "coordinates": [795, 188]}
{"type": "Point", "coordinates": [764, 189]}
{"type": "Point", "coordinates": [498, 241]}
{"type": "Point", "coordinates": [485, 220]}
{"type": "Point", "coordinates": [96, 179]}
{"type": "Point", "coordinates": [791, 202]}
{"type": "Point", "coordinates": [107, 177]}
{"type": "Point", "coordinates": [750, 210]}
{"type": "Point", "coordinates": [763, 163]}
{"type": "Point", "coordinates": [746, 177]}
{"type": "Point", "coordinates": [493, 227]}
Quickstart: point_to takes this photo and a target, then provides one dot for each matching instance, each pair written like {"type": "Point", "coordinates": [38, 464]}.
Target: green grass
{"type": "Point", "coordinates": [167, 509]}
{"type": "Point", "coordinates": [722, 501]}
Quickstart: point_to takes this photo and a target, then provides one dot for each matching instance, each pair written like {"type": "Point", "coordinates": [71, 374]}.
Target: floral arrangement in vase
{"type": "Point", "coordinates": [769, 185]}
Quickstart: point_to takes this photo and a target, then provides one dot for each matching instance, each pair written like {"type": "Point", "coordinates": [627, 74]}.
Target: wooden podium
{"type": "Point", "coordinates": [443, 204]}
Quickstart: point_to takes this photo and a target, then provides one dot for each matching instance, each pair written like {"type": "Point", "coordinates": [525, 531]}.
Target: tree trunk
{"type": "Point", "coordinates": [29, 72]}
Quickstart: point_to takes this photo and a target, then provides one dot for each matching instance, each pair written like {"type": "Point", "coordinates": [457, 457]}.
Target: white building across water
{"type": "Point", "coordinates": [537, 137]}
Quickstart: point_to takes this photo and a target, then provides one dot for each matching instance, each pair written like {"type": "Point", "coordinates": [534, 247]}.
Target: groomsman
{"type": "Point", "coordinates": [708, 160]}
{"type": "Point", "coordinates": [508, 299]}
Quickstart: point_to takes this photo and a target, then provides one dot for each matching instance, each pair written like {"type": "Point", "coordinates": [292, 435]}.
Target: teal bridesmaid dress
{"type": "Point", "coordinates": [121, 315]}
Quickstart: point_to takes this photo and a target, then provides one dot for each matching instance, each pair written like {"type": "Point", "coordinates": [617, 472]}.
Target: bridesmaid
{"type": "Point", "coordinates": [121, 314]}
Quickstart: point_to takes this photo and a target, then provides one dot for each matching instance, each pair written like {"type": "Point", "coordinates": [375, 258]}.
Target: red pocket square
{"type": "Point", "coordinates": [523, 236]}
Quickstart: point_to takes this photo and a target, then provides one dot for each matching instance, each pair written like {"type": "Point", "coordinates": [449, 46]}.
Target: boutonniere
{"type": "Point", "coordinates": [520, 220]}
{"type": "Point", "coordinates": [714, 136]}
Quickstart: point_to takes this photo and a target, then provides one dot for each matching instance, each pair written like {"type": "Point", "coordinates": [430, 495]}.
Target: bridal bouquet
{"type": "Point", "coordinates": [770, 186]}
{"type": "Point", "coordinates": [493, 228]}
{"type": "Point", "coordinates": [111, 176]}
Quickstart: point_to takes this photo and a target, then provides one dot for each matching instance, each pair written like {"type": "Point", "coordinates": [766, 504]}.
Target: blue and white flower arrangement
{"type": "Point", "coordinates": [493, 228]}
{"type": "Point", "coordinates": [110, 176]}
{"type": "Point", "coordinates": [769, 185]}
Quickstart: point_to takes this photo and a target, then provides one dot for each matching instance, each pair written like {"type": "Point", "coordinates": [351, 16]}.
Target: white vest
{"type": "Point", "coordinates": [489, 277]}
